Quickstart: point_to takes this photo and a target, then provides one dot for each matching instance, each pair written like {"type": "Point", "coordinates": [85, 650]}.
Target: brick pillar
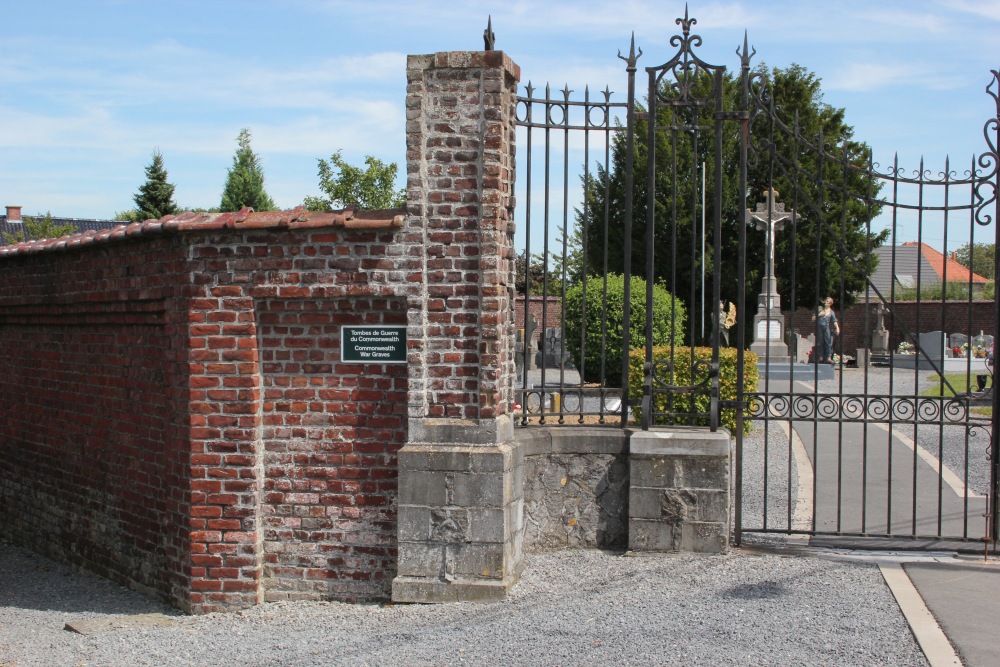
{"type": "Point", "coordinates": [460, 503]}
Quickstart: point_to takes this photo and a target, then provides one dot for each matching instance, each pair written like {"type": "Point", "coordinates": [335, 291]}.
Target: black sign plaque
{"type": "Point", "coordinates": [373, 344]}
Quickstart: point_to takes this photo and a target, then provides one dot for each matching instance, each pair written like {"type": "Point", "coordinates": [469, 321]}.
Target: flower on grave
{"type": "Point", "coordinates": [905, 348]}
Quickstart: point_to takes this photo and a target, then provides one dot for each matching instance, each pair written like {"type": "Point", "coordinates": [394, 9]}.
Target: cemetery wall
{"type": "Point", "coordinates": [858, 321]}
{"type": "Point", "coordinates": [176, 416]}
{"type": "Point", "coordinates": [552, 307]}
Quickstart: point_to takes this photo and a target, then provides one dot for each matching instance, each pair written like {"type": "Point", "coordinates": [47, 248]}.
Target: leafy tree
{"type": "Point", "coordinates": [978, 257]}
{"type": "Point", "coordinates": [39, 228]}
{"type": "Point", "coordinates": [155, 198]}
{"type": "Point", "coordinates": [836, 223]}
{"type": "Point", "coordinates": [344, 184]}
{"type": "Point", "coordinates": [130, 215]}
{"type": "Point", "coordinates": [245, 180]}
{"type": "Point", "coordinates": [539, 281]}
{"type": "Point", "coordinates": [604, 323]}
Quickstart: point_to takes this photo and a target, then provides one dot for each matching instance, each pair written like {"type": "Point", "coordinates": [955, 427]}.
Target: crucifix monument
{"type": "Point", "coordinates": [768, 323]}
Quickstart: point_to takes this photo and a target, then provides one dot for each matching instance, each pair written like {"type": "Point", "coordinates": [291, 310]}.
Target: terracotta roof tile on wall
{"type": "Point", "coordinates": [247, 218]}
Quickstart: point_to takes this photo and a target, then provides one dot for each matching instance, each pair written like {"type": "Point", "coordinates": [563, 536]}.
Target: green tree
{"type": "Point", "coordinates": [245, 180]}
{"type": "Point", "coordinates": [838, 225]}
{"type": "Point", "coordinates": [155, 198]}
{"type": "Point", "coordinates": [39, 228]}
{"type": "Point", "coordinates": [344, 184]}
{"type": "Point", "coordinates": [539, 281]}
{"type": "Point", "coordinates": [978, 257]}
{"type": "Point", "coordinates": [603, 325]}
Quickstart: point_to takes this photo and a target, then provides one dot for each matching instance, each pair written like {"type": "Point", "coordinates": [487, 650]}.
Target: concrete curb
{"type": "Point", "coordinates": [933, 642]}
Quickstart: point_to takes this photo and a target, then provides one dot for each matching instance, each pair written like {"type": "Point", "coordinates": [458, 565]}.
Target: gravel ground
{"type": "Point", "coordinates": [570, 608]}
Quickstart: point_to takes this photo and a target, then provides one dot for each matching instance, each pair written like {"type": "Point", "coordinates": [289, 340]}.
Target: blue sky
{"type": "Point", "coordinates": [91, 88]}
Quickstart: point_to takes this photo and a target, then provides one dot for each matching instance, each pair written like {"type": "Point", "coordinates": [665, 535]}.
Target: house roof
{"type": "Point", "coordinates": [247, 218]}
{"type": "Point", "coordinates": [911, 262]}
{"type": "Point", "coordinates": [8, 226]}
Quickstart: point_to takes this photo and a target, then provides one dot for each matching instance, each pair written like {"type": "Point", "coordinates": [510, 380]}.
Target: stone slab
{"type": "Point", "coordinates": [96, 626]}
{"type": "Point", "coordinates": [677, 442]}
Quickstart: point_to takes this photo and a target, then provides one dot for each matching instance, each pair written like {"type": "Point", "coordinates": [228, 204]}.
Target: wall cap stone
{"type": "Point", "coordinates": [680, 442]}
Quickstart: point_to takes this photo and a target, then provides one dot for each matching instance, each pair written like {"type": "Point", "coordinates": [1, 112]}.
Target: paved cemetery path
{"type": "Point", "coordinates": [870, 481]}
{"type": "Point", "coordinates": [867, 481]}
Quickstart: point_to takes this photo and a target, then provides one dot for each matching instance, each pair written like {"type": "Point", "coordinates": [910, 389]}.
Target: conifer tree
{"type": "Point", "coordinates": [245, 180]}
{"type": "Point", "coordinates": [155, 198]}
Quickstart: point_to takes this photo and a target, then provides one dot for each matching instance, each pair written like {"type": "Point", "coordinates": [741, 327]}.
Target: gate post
{"type": "Point", "coordinates": [460, 473]}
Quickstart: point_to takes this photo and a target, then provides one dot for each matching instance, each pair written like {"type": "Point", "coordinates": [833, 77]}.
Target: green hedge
{"type": "Point", "coordinates": [682, 377]}
{"type": "Point", "coordinates": [667, 311]}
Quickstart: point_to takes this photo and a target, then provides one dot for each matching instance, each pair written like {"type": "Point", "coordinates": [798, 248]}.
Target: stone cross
{"type": "Point", "coordinates": [770, 217]}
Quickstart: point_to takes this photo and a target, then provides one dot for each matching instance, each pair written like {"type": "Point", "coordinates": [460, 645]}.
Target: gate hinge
{"type": "Point", "coordinates": [733, 115]}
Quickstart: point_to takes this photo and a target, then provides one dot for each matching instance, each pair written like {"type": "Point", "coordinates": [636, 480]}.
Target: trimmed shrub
{"type": "Point", "coordinates": [682, 377]}
{"type": "Point", "coordinates": [669, 319]}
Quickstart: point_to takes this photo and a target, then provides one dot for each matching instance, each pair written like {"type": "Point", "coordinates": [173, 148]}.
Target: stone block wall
{"type": "Point", "coordinates": [576, 485]}
{"type": "Point", "coordinates": [679, 491]}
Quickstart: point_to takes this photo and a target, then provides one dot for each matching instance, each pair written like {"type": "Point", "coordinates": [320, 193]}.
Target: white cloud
{"type": "Point", "coordinates": [989, 9]}
{"type": "Point", "coordinates": [869, 76]}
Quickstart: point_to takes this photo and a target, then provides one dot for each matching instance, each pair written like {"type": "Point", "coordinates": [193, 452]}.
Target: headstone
{"type": "Point", "coordinates": [553, 348]}
{"type": "Point", "coordinates": [880, 335]}
{"type": "Point", "coordinates": [957, 340]}
{"type": "Point", "coordinates": [932, 344]}
{"type": "Point", "coordinates": [530, 325]}
{"type": "Point", "coordinates": [802, 346]}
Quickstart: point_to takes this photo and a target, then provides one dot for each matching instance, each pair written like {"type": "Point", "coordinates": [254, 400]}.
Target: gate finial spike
{"type": "Point", "coordinates": [488, 37]}
{"type": "Point", "coordinates": [632, 56]}
{"type": "Point", "coordinates": [746, 55]}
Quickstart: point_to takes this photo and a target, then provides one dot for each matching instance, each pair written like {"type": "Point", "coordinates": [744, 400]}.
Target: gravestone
{"type": "Point", "coordinates": [880, 335]}
{"type": "Point", "coordinates": [526, 337]}
{"type": "Point", "coordinates": [803, 344]}
{"type": "Point", "coordinates": [553, 348]}
{"type": "Point", "coordinates": [957, 340]}
{"type": "Point", "coordinates": [932, 344]}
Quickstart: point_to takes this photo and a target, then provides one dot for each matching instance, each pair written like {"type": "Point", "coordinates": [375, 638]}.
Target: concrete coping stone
{"type": "Point", "coordinates": [487, 432]}
{"type": "Point", "coordinates": [572, 440]}
{"type": "Point", "coordinates": [678, 442]}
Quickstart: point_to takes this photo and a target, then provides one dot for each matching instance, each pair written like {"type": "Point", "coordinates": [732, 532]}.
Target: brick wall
{"type": "Point", "coordinates": [331, 432]}
{"type": "Point", "coordinates": [176, 416]}
{"type": "Point", "coordinates": [547, 309]}
{"type": "Point", "coordinates": [199, 435]}
{"type": "Point", "coordinates": [93, 458]}
{"type": "Point", "coordinates": [858, 321]}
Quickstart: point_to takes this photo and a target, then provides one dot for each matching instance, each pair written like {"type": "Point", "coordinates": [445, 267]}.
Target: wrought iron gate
{"type": "Point", "coordinates": [856, 448]}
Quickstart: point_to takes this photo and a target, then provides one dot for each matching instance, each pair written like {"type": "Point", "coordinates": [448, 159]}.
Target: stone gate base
{"type": "Point", "coordinates": [467, 512]}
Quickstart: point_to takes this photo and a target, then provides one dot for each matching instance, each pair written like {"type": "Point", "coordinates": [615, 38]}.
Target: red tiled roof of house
{"type": "Point", "coordinates": [247, 218]}
{"type": "Point", "coordinates": [956, 273]}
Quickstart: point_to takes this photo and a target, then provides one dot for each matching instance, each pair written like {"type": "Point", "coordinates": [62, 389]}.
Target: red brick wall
{"type": "Point", "coordinates": [552, 306]}
{"type": "Point", "coordinates": [331, 432]}
{"type": "Point", "coordinates": [913, 316]}
{"type": "Point", "coordinates": [93, 462]}
{"type": "Point", "coordinates": [175, 415]}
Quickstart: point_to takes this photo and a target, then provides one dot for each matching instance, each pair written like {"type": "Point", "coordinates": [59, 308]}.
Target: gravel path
{"type": "Point", "coordinates": [571, 608]}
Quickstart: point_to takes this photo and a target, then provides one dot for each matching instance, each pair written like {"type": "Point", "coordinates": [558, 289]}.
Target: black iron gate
{"type": "Point", "coordinates": [681, 305]}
